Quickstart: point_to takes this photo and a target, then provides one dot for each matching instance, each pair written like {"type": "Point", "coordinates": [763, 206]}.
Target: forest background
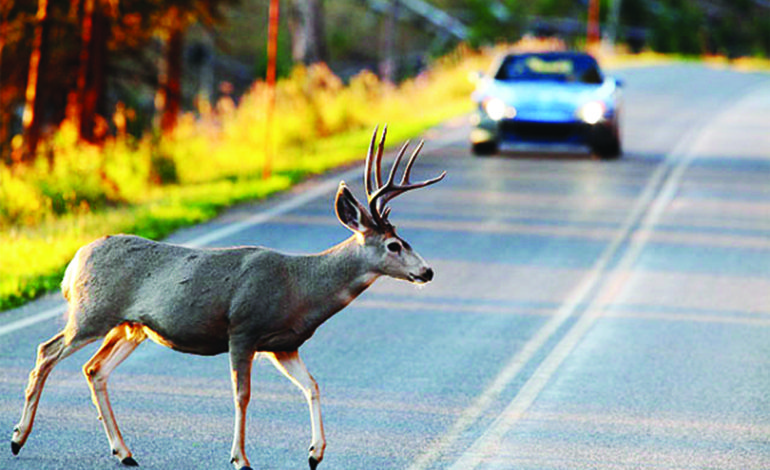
{"type": "Point", "coordinates": [143, 116]}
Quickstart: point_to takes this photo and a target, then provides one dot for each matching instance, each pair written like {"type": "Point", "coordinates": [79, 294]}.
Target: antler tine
{"type": "Point", "coordinates": [398, 190]}
{"type": "Point", "coordinates": [396, 162]}
{"type": "Point", "coordinates": [378, 159]}
{"type": "Point", "coordinates": [377, 202]}
{"type": "Point", "coordinates": [426, 182]}
{"type": "Point", "coordinates": [390, 189]}
{"type": "Point", "coordinates": [408, 169]}
{"type": "Point", "coordinates": [369, 160]}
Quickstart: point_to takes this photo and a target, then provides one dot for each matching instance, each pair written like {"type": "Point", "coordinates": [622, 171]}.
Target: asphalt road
{"type": "Point", "coordinates": [585, 315]}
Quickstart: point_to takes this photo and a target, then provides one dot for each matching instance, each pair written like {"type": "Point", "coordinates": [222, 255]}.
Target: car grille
{"type": "Point", "coordinates": [542, 131]}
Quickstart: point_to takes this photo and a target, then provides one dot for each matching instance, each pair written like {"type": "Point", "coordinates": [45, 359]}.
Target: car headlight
{"type": "Point", "coordinates": [592, 112]}
{"type": "Point", "coordinates": [496, 109]}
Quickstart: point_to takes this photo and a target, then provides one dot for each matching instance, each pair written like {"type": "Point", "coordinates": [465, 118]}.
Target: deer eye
{"type": "Point", "coordinates": [394, 247]}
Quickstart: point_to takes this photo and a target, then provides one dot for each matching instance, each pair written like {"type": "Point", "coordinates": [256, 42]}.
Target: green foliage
{"type": "Point", "coordinates": [635, 13]}
{"type": "Point", "coordinates": [559, 8]}
{"type": "Point", "coordinates": [21, 202]}
{"type": "Point", "coordinates": [678, 28]}
{"type": "Point", "coordinates": [162, 165]}
{"type": "Point", "coordinates": [491, 22]}
{"type": "Point", "coordinates": [761, 24]}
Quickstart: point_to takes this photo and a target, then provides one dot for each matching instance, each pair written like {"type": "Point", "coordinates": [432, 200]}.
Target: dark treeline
{"type": "Point", "coordinates": [728, 27]}
{"type": "Point", "coordinates": [57, 58]}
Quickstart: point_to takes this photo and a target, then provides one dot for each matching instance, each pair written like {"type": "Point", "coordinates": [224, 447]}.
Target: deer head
{"type": "Point", "coordinates": [390, 254]}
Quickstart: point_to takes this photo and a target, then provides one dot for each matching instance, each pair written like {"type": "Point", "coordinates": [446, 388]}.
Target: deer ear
{"type": "Point", "coordinates": [350, 212]}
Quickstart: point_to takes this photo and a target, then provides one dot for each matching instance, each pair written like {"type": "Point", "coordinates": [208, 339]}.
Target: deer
{"type": "Point", "coordinates": [245, 301]}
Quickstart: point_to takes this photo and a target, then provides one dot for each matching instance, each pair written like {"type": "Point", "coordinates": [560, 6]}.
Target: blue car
{"type": "Point", "coordinates": [547, 98]}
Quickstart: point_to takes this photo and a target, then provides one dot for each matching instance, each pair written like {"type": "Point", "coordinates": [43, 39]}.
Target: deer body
{"type": "Point", "coordinates": [244, 301]}
{"type": "Point", "coordinates": [198, 300]}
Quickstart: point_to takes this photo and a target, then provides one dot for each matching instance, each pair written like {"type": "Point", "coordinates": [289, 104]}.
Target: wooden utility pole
{"type": "Point", "coordinates": [272, 53]}
{"type": "Point", "coordinates": [592, 37]}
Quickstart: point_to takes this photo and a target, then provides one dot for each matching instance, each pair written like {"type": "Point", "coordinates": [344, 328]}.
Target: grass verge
{"type": "Point", "coordinates": [34, 258]}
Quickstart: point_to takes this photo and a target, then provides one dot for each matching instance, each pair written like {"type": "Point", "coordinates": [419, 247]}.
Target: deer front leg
{"type": "Point", "coordinates": [292, 367]}
{"type": "Point", "coordinates": [240, 368]}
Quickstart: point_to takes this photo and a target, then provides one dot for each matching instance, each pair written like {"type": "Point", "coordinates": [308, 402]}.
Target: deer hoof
{"type": "Point", "coordinates": [313, 463]}
{"type": "Point", "coordinates": [129, 462]}
{"type": "Point", "coordinates": [15, 448]}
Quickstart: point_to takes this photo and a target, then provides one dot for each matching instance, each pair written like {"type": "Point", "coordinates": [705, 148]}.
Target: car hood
{"type": "Point", "coordinates": [526, 95]}
{"type": "Point", "coordinates": [545, 101]}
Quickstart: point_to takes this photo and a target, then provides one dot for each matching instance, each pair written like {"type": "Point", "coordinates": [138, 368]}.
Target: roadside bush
{"type": "Point", "coordinates": [21, 202]}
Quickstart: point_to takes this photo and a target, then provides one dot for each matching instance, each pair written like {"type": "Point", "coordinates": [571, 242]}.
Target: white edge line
{"type": "Point", "coordinates": [260, 218]}
{"type": "Point", "coordinates": [29, 321]}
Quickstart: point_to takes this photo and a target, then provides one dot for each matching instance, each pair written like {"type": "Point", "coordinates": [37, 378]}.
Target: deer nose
{"type": "Point", "coordinates": [427, 274]}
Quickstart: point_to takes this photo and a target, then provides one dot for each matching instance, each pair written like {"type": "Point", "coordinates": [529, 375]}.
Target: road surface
{"type": "Point", "coordinates": [585, 315]}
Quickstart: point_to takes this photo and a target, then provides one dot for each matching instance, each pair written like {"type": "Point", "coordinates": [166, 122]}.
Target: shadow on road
{"type": "Point", "coordinates": [543, 155]}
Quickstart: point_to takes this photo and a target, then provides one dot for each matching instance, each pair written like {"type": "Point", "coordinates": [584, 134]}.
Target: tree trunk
{"type": "Point", "coordinates": [306, 22]}
{"type": "Point", "coordinates": [93, 55]}
{"type": "Point", "coordinates": [5, 11]}
{"type": "Point", "coordinates": [388, 65]}
{"type": "Point", "coordinates": [172, 88]}
{"type": "Point", "coordinates": [33, 108]}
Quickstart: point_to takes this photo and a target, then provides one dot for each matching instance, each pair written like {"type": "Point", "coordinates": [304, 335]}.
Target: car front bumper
{"type": "Point", "coordinates": [540, 132]}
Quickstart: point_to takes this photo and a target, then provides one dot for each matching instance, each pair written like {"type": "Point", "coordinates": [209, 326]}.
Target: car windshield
{"type": "Point", "coordinates": [550, 67]}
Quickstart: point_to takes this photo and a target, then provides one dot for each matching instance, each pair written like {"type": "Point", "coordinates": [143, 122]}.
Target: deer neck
{"type": "Point", "coordinates": [339, 275]}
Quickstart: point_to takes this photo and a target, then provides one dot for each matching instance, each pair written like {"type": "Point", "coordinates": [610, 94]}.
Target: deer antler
{"type": "Point", "coordinates": [379, 194]}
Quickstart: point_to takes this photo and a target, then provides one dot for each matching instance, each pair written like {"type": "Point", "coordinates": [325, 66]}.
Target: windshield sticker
{"type": "Point", "coordinates": [538, 65]}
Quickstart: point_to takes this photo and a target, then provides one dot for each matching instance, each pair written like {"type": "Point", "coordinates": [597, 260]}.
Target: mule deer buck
{"type": "Point", "coordinates": [245, 301]}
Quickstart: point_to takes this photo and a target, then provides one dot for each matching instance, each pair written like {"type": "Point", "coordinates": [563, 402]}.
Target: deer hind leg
{"type": "Point", "coordinates": [120, 342]}
{"type": "Point", "coordinates": [291, 365]}
{"type": "Point", "coordinates": [48, 355]}
{"type": "Point", "coordinates": [240, 368]}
